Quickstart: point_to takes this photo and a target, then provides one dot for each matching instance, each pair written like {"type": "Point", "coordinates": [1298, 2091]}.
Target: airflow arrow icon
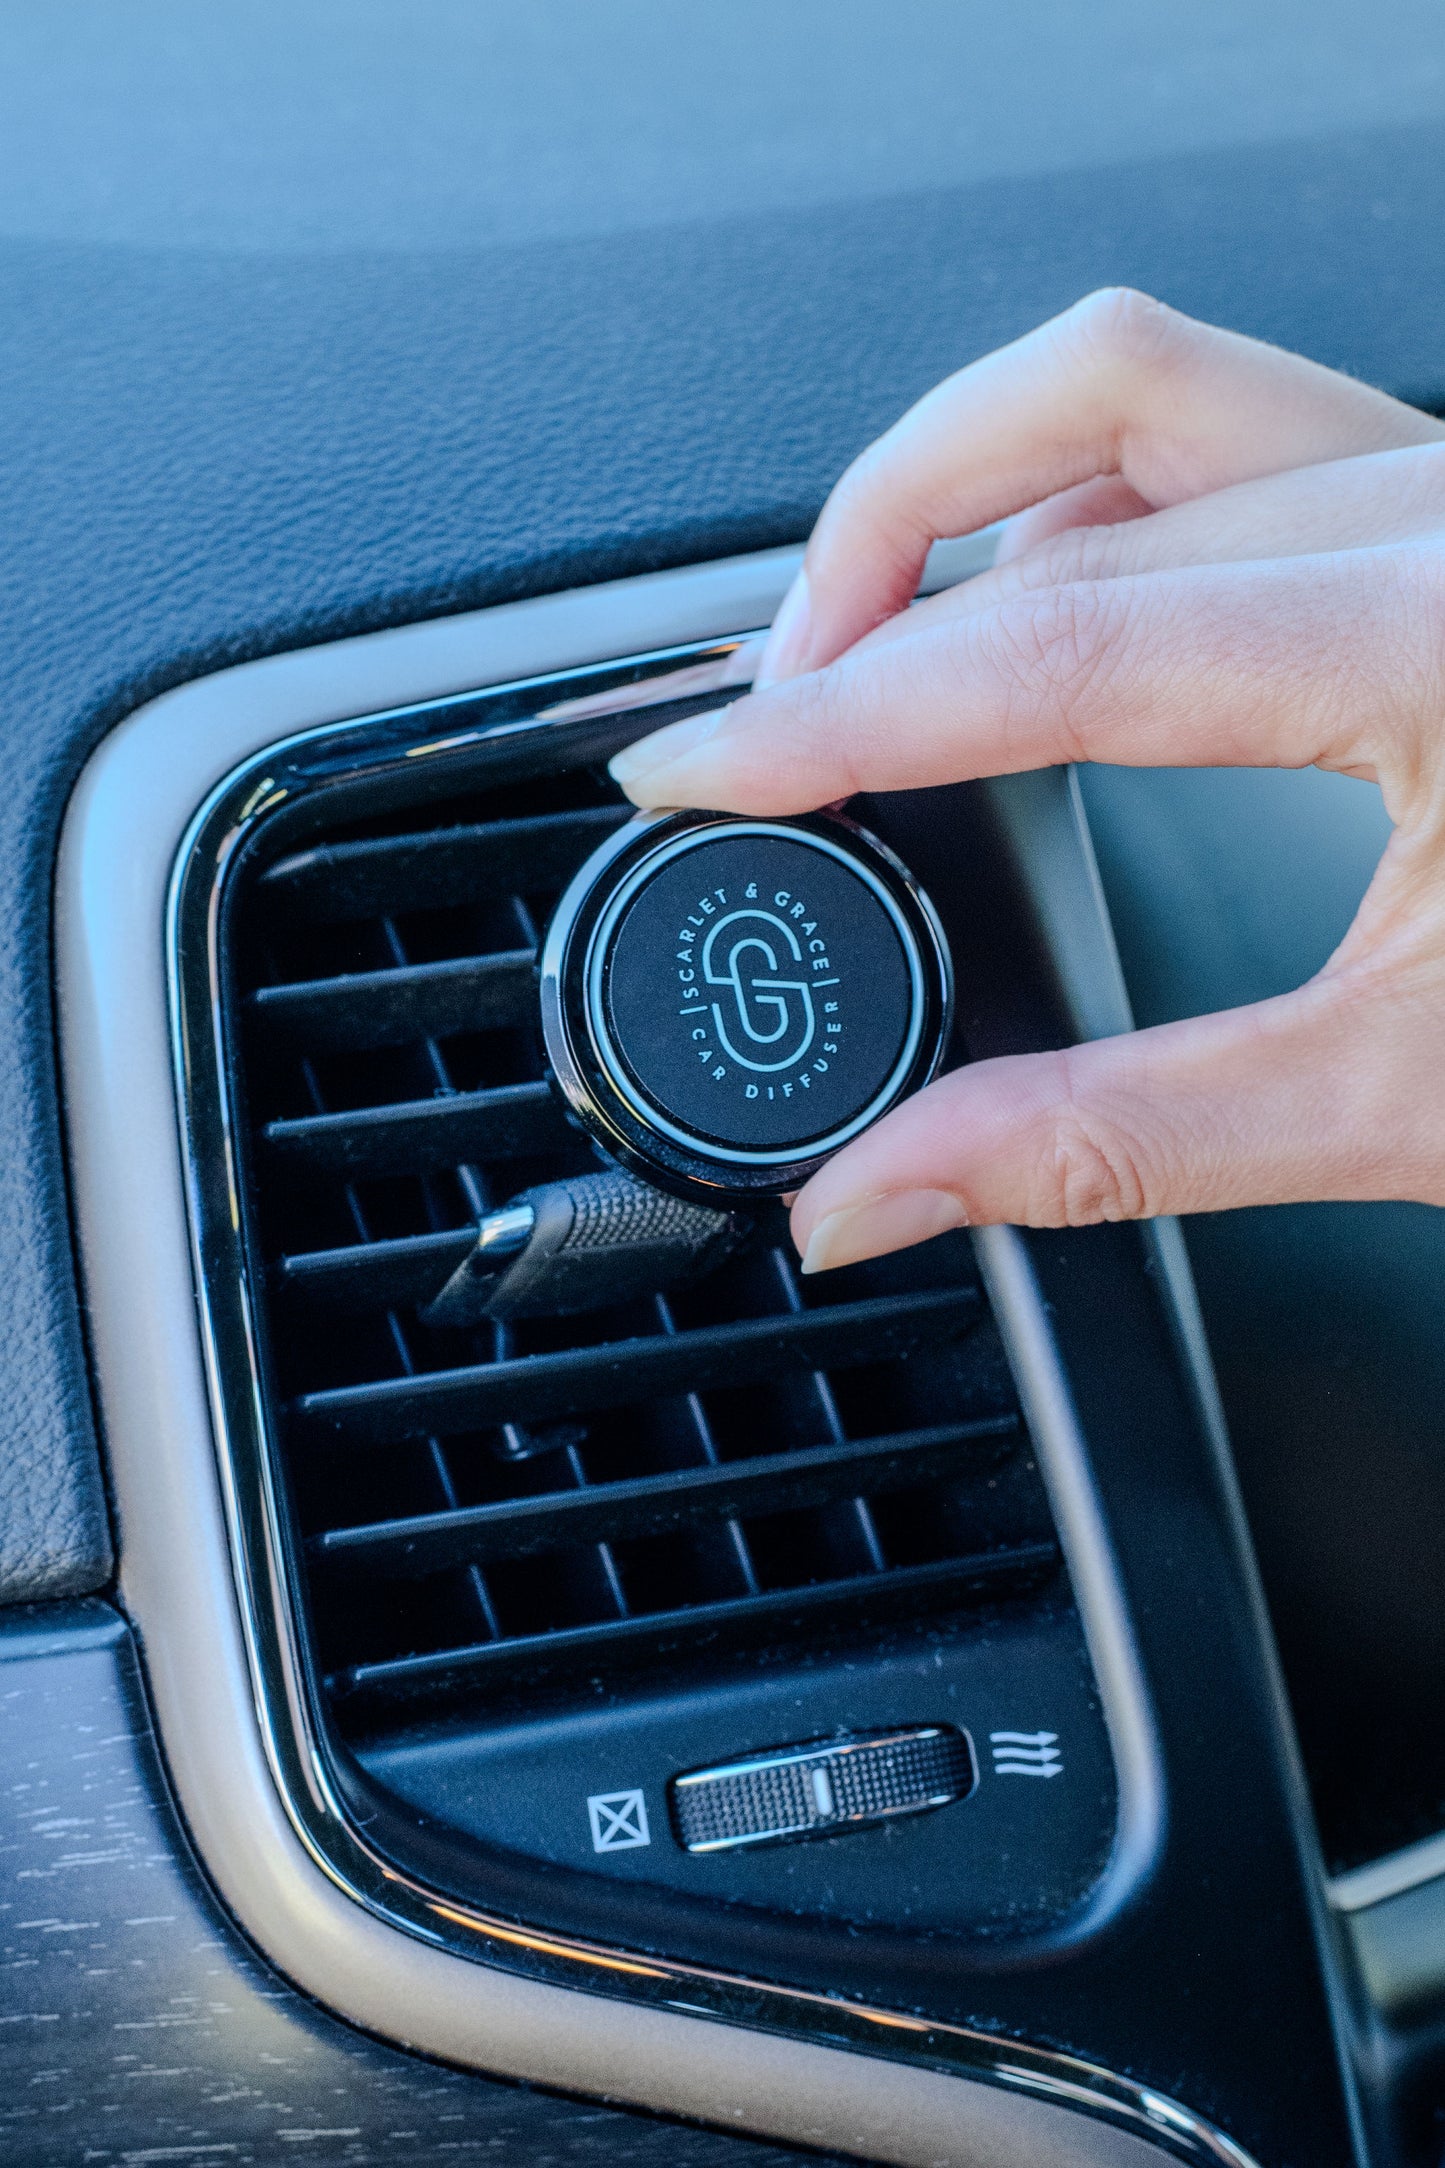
{"type": "Point", "coordinates": [1026, 1754]}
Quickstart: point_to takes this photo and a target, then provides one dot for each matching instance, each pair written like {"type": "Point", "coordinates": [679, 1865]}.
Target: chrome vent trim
{"type": "Point", "coordinates": [299, 1761]}
{"type": "Point", "coordinates": [790, 2080]}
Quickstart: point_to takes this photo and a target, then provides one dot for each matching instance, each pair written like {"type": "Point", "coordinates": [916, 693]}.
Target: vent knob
{"type": "Point", "coordinates": [823, 1789]}
{"type": "Point", "coordinates": [728, 1001]}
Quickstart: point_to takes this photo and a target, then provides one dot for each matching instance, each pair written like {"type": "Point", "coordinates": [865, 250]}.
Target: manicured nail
{"type": "Point", "coordinates": [639, 768]}
{"type": "Point", "coordinates": [880, 1224]}
{"type": "Point", "coordinates": [787, 646]}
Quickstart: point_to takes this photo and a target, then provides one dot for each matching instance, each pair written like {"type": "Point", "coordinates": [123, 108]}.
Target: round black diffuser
{"type": "Point", "coordinates": [727, 1001]}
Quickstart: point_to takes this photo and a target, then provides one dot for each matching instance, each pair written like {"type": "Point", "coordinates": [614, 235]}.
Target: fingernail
{"type": "Point", "coordinates": [880, 1224]}
{"type": "Point", "coordinates": [787, 644]}
{"type": "Point", "coordinates": [639, 767]}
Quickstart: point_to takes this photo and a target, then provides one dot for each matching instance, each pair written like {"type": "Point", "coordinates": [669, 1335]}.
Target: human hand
{"type": "Point", "coordinates": [1219, 555]}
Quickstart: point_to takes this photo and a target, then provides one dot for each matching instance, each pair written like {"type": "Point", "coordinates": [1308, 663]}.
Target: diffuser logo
{"type": "Point", "coordinates": [750, 991]}
{"type": "Point", "coordinates": [770, 1022]}
{"type": "Point", "coordinates": [759, 992]}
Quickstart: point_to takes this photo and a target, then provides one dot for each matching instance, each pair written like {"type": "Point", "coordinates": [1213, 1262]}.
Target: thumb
{"type": "Point", "coordinates": [1323, 1093]}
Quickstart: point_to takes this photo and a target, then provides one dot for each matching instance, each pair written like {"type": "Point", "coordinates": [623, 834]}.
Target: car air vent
{"type": "Point", "coordinates": [751, 1458]}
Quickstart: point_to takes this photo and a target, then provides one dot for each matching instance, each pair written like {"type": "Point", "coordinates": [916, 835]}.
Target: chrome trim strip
{"type": "Point", "coordinates": [902, 2089]}
{"type": "Point", "coordinates": [1399, 1947]}
{"type": "Point", "coordinates": [1380, 1879]}
{"type": "Point", "coordinates": [1063, 1462]}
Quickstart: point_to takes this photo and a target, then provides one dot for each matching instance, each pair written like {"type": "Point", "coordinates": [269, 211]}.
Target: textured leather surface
{"type": "Point", "coordinates": [207, 457]}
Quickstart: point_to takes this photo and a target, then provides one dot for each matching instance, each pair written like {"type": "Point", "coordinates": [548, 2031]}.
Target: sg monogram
{"type": "Point", "coordinates": [776, 1004]}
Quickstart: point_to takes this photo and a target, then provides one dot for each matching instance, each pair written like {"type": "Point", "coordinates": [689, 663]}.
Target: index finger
{"type": "Point", "coordinates": [1118, 385]}
{"type": "Point", "coordinates": [1307, 660]}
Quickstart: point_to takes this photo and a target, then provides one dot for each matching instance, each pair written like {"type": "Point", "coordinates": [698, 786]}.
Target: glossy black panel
{"type": "Point", "coordinates": [1014, 1856]}
{"type": "Point", "coordinates": [1324, 1319]}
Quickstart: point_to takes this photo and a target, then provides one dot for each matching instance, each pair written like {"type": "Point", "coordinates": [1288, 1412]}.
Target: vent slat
{"type": "Point", "coordinates": [540, 1388]}
{"type": "Point", "coordinates": [512, 1121]}
{"type": "Point", "coordinates": [360, 1009]}
{"type": "Point", "coordinates": [376, 1275]}
{"type": "Point", "coordinates": [903, 1590]}
{"type": "Point", "coordinates": [388, 874]}
{"type": "Point", "coordinates": [477, 1528]}
{"type": "Point", "coordinates": [653, 1505]}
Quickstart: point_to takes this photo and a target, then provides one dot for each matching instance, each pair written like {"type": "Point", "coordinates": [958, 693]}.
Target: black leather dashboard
{"type": "Point", "coordinates": [206, 458]}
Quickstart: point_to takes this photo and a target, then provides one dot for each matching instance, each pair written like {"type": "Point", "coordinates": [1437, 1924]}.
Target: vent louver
{"type": "Point", "coordinates": [751, 1458]}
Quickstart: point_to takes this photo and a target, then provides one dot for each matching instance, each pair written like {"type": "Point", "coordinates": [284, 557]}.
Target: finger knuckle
{"type": "Point", "coordinates": [1092, 1171]}
{"type": "Point", "coordinates": [1430, 611]}
{"type": "Point", "coordinates": [871, 484]}
{"type": "Point", "coordinates": [1419, 571]}
{"type": "Point", "coordinates": [825, 731]}
{"type": "Point", "coordinates": [1064, 559]}
{"type": "Point", "coordinates": [857, 486]}
{"type": "Point", "coordinates": [1054, 651]}
{"type": "Point", "coordinates": [1426, 563]}
{"type": "Point", "coordinates": [870, 498]}
{"type": "Point", "coordinates": [1120, 324]}
{"type": "Point", "coordinates": [1428, 463]}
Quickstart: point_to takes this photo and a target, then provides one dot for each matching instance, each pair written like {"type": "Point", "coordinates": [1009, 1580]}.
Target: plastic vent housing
{"type": "Point", "coordinates": [753, 1457]}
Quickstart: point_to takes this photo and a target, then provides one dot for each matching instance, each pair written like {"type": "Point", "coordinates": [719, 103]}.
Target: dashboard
{"type": "Point", "coordinates": [403, 410]}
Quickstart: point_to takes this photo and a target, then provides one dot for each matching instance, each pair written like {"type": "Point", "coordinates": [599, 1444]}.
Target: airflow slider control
{"type": "Point", "coordinates": [822, 1789]}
